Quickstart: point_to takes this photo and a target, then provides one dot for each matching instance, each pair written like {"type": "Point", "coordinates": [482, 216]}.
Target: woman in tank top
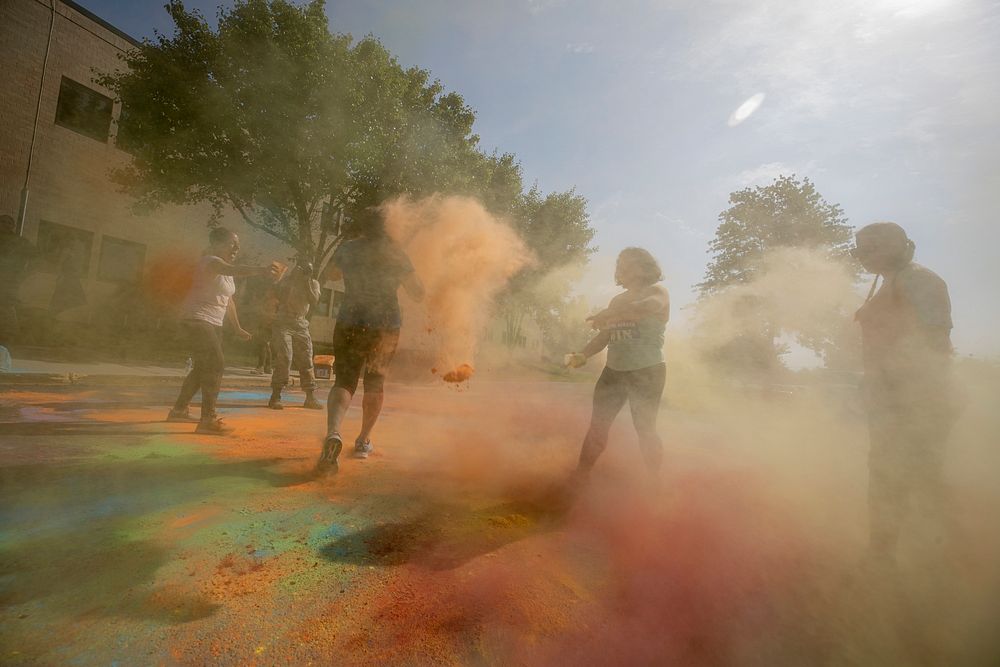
{"type": "Point", "coordinates": [208, 304]}
{"type": "Point", "coordinates": [631, 328]}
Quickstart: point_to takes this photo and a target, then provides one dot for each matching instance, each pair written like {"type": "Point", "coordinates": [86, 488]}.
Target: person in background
{"type": "Point", "coordinates": [15, 253]}
{"type": "Point", "coordinates": [291, 341]}
{"type": "Point", "coordinates": [207, 305]}
{"type": "Point", "coordinates": [906, 346]}
{"type": "Point", "coordinates": [266, 309]}
{"type": "Point", "coordinates": [373, 267]}
{"type": "Point", "coordinates": [632, 329]}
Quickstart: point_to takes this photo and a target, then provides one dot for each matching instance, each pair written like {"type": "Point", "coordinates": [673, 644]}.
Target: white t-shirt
{"type": "Point", "coordinates": [209, 295]}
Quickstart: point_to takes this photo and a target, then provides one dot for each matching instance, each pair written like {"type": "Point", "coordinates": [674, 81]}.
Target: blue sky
{"type": "Point", "coordinates": [889, 106]}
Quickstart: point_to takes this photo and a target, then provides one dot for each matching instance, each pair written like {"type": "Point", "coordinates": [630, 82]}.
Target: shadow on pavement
{"type": "Point", "coordinates": [446, 537]}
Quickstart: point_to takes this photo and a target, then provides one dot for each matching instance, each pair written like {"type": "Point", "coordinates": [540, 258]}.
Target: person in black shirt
{"type": "Point", "coordinates": [373, 267]}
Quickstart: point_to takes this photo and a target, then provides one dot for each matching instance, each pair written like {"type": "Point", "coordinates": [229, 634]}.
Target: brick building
{"type": "Point", "coordinates": [59, 135]}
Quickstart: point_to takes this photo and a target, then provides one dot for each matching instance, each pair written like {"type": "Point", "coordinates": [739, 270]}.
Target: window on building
{"type": "Point", "coordinates": [121, 261]}
{"type": "Point", "coordinates": [325, 301]}
{"type": "Point", "coordinates": [83, 110]}
{"type": "Point", "coordinates": [63, 249]}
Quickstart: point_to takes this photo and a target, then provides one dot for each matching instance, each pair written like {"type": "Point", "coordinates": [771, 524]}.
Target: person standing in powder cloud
{"type": "Point", "coordinates": [208, 304]}
{"type": "Point", "coordinates": [906, 344]}
{"type": "Point", "coordinates": [373, 267]}
{"type": "Point", "coordinates": [291, 341]}
{"type": "Point", "coordinates": [632, 328]}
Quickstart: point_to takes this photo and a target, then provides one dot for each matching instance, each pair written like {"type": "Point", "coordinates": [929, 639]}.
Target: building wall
{"type": "Point", "coordinates": [70, 173]}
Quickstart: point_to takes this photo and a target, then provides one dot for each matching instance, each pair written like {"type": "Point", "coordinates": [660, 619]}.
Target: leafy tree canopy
{"type": "Point", "coordinates": [787, 213]}
{"type": "Point", "coordinates": [276, 117]}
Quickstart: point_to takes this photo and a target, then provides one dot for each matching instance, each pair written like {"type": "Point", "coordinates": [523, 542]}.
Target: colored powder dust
{"type": "Point", "coordinates": [460, 374]}
{"type": "Point", "coordinates": [168, 279]}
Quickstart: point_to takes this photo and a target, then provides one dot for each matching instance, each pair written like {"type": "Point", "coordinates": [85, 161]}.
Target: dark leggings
{"type": "Point", "coordinates": [642, 389]}
{"type": "Point", "coordinates": [205, 343]}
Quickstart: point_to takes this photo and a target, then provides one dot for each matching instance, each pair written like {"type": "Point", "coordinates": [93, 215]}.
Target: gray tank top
{"type": "Point", "coordinates": [636, 344]}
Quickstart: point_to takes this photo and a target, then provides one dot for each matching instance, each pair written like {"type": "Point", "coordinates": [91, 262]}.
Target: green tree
{"type": "Point", "coordinates": [298, 129]}
{"type": "Point", "coordinates": [786, 213]}
{"type": "Point", "coordinates": [557, 229]}
{"type": "Point", "coordinates": [272, 115]}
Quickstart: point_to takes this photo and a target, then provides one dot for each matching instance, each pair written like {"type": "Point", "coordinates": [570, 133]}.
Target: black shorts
{"type": "Point", "coordinates": [362, 349]}
{"type": "Point", "coordinates": [642, 388]}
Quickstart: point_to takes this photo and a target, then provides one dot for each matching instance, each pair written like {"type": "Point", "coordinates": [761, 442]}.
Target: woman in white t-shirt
{"type": "Point", "coordinates": [207, 305]}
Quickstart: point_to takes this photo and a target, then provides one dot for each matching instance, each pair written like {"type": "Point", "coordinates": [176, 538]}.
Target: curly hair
{"type": "Point", "coordinates": [651, 272]}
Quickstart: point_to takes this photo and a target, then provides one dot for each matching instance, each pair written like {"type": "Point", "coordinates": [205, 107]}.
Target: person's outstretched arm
{"type": "Point", "coordinates": [223, 268]}
{"type": "Point", "coordinates": [657, 303]}
{"type": "Point", "coordinates": [596, 344]}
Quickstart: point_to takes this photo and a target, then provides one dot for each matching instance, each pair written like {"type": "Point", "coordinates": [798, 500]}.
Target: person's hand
{"type": "Point", "coordinates": [272, 270]}
{"type": "Point", "coordinates": [244, 334]}
{"type": "Point", "coordinates": [575, 359]}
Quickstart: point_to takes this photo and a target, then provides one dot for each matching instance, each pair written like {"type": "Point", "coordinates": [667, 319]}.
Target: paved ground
{"type": "Point", "coordinates": [128, 541]}
{"type": "Point", "coordinates": [48, 372]}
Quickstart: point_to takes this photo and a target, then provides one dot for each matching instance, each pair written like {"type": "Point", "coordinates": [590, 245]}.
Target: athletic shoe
{"type": "Point", "coordinates": [275, 402]}
{"type": "Point", "coordinates": [362, 448]}
{"type": "Point", "coordinates": [327, 463]}
{"type": "Point", "coordinates": [182, 416]}
{"type": "Point", "coordinates": [311, 403]}
{"type": "Point", "coordinates": [214, 427]}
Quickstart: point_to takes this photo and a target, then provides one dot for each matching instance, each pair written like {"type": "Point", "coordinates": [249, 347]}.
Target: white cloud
{"type": "Point", "coordinates": [763, 174]}
{"type": "Point", "coordinates": [821, 60]}
{"type": "Point", "coordinates": [580, 47]}
{"type": "Point", "coordinates": [675, 223]}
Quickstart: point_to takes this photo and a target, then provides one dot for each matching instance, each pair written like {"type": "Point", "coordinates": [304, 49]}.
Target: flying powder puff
{"type": "Point", "coordinates": [745, 110]}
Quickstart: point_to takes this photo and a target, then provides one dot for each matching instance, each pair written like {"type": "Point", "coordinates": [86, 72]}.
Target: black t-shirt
{"type": "Point", "coordinates": [373, 271]}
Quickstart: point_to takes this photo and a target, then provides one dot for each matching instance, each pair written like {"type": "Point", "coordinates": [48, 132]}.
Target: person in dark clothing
{"type": "Point", "coordinates": [290, 338]}
{"type": "Point", "coordinates": [373, 267]}
{"type": "Point", "coordinates": [208, 304]}
{"type": "Point", "coordinates": [906, 337]}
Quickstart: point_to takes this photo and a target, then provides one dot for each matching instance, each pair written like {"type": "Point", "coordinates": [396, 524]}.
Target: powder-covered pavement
{"type": "Point", "coordinates": [128, 541]}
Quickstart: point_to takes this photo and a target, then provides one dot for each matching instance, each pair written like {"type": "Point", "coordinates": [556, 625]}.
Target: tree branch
{"type": "Point", "coordinates": [256, 225]}
{"type": "Point", "coordinates": [302, 212]}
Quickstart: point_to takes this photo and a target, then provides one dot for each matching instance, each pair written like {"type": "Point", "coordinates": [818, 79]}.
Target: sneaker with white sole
{"type": "Point", "coordinates": [328, 463]}
{"type": "Point", "coordinates": [182, 416]}
{"type": "Point", "coordinates": [362, 448]}
{"type": "Point", "coordinates": [214, 427]}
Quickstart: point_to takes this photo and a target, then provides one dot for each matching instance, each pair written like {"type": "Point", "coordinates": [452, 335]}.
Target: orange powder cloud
{"type": "Point", "coordinates": [464, 256]}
